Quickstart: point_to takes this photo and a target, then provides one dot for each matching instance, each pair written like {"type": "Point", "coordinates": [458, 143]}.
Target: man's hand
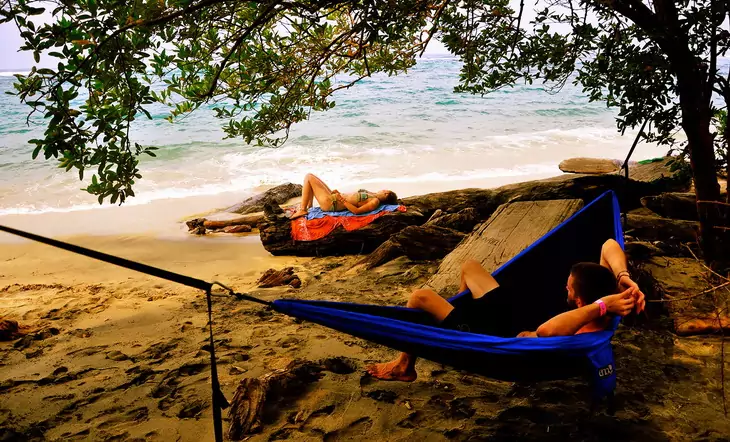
{"type": "Point", "coordinates": [621, 304]}
{"type": "Point", "coordinates": [527, 334]}
{"type": "Point", "coordinates": [625, 283]}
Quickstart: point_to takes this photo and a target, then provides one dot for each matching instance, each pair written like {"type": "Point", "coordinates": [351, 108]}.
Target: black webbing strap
{"type": "Point", "coordinates": [111, 259]}
{"type": "Point", "coordinates": [219, 400]}
{"type": "Point", "coordinates": [625, 165]}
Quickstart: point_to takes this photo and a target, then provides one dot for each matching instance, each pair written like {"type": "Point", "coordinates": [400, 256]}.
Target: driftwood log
{"type": "Point", "coordinates": [654, 228]}
{"type": "Point", "coordinates": [244, 223]}
{"type": "Point", "coordinates": [433, 240]}
{"type": "Point", "coordinates": [8, 329]}
{"type": "Point", "coordinates": [277, 195]}
{"type": "Point", "coordinates": [276, 232]}
{"type": "Point", "coordinates": [589, 165]}
{"type": "Point", "coordinates": [702, 326]}
{"type": "Point", "coordinates": [253, 394]}
{"type": "Point", "coordinates": [276, 278]}
{"type": "Point", "coordinates": [512, 228]}
{"type": "Point", "coordinates": [257, 398]}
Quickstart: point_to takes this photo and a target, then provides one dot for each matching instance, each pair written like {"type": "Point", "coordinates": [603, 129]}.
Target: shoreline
{"type": "Point", "coordinates": [164, 219]}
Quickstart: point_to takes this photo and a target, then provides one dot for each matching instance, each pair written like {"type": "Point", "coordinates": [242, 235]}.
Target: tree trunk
{"type": "Point", "coordinates": [696, 115]}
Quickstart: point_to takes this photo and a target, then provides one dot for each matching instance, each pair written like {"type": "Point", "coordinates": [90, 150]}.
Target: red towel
{"type": "Point", "coordinates": [312, 230]}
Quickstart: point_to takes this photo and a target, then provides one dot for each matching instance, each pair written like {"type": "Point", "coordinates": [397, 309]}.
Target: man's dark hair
{"type": "Point", "coordinates": [592, 281]}
{"type": "Point", "coordinates": [390, 198]}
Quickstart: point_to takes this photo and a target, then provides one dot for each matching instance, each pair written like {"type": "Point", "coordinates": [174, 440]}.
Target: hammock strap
{"type": "Point", "coordinates": [219, 400]}
{"type": "Point", "coordinates": [625, 165]}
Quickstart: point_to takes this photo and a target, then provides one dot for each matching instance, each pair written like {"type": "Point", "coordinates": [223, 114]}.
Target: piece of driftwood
{"type": "Point", "coordinates": [416, 242]}
{"type": "Point", "coordinates": [243, 228]}
{"type": "Point", "coordinates": [653, 228]}
{"type": "Point", "coordinates": [511, 229]}
{"type": "Point", "coordinates": [702, 326]}
{"type": "Point", "coordinates": [589, 165]}
{"type": "Point", "coordinates": [8, 330]}
{"type": "Point", "coordinates": [433, 240]}
{"type": "Point", "coordinates": [463, 221]}
{"type": "Point", "coordinates": [253, 394]}
{"type": "Point", "coordinates": [386, 252]}
{"type": "Point", "coordinates": [276, 278]}
{"type": "Point", "coordinates": [673, 205]}
{"type": "Point", "coordinates": [276, 230]}
{"type": "Point", "coordinates": [677, 205]}
{"type": "Point", "coordinates": [277, 195]}
{"type": "Point", "coordinates": [245, 223]}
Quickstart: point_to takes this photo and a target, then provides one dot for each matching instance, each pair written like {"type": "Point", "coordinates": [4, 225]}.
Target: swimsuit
{"type": "Point", "coordinates": [362, 195]}
{"type": "Point", "coordinates": [488, 315]}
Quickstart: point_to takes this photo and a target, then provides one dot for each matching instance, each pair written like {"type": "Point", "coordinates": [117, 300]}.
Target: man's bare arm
{"type": "Point", "coordinates": [614, 258]}
{"type": "Point", "coordinates": [568, 323]}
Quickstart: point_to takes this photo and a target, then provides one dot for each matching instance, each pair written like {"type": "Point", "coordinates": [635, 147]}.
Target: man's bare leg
{"type": "Point", "coordinates": [403, 368]}
{"type": "Point", "coordinates": [476, 279]}
{"type": "Point", "coordinates": [313, 188]}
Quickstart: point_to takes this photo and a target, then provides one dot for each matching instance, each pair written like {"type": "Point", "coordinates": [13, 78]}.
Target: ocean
{"type": "Point", "coordinates": [410, 133]}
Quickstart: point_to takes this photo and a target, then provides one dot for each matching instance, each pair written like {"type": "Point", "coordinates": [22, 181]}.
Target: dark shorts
{"type": "Point", "coordinates": [490, 314]}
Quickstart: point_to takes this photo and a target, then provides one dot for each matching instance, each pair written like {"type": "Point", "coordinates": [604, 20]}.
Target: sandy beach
{"type": "Point", "coordinates": [111, 354]}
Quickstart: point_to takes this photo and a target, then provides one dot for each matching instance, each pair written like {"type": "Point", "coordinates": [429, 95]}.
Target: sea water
{"type": "Point", "coordinates": [410, 133]}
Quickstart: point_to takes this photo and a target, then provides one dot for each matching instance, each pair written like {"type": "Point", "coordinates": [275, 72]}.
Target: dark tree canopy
{"type": "Point", "coordinates": [265, 65]}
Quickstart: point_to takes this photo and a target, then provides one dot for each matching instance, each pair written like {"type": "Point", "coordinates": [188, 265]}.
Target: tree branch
{"type": "Point", "coordinates": [263, 18]}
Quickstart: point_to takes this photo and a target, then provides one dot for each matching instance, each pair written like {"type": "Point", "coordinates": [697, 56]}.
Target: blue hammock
{"type": "Point", "coordinates": [538, 276]}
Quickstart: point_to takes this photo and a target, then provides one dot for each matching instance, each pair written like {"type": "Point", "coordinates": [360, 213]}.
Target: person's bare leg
{"type": "Point", "coordinates": [476, 279]}
{"type": "Point", "coordinates": [403, 368]}
{"type": "Point", "coordinates": [313, 188]}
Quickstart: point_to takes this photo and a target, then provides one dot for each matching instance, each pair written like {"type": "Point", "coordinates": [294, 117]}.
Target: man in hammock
{"type": "Point", "coordinates": [591, 291]}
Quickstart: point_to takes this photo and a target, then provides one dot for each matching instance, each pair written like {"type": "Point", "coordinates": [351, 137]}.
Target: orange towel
{"type": "Point", "coordinates": [312, 230]}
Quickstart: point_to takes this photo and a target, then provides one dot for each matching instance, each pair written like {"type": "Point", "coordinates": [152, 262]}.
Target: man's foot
{"type": "Point", "coordinates": [298, 214]}
{"type": "Point", "coordinates": [392, 371]}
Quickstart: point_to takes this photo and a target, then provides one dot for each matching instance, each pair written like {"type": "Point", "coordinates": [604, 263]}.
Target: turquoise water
{"type": "Point", "coordinates": [403, 132]}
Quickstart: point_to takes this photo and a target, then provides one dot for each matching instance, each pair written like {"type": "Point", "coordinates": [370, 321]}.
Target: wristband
{"type": "Point", "coordinates": [622, 273]}
{"type": "Point", "coordinates": [602, 306]}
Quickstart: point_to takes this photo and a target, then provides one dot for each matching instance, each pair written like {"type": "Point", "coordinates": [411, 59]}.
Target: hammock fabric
{"type": "Point", "coordinates": [534, 283]}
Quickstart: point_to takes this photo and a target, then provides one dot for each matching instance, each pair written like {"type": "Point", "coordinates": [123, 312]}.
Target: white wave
{"type": "Point", "coordinates": [12, 73]}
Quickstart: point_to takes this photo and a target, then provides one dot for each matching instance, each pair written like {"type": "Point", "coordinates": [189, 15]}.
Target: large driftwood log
{"type": "Point", "coordinates": [512, 228]}
{"type": "Point", "coordinates": [276, 232]}
{"type": "Point", "coordinates": [433, 240]}
{"type": "Point", "coordinates": [655, 228]}
{"type": "Point", "coordinates": [277, 195]}
{"type": "Point", "coordinates": [276, 236]}
{"type": "Point", "coordinates": [659, 172]}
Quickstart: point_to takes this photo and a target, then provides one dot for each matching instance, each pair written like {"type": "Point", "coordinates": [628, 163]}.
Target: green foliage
{"type": "Point", "coordinates": [722, 146]}
{"type": "Point", "coordinates": [265, 65]}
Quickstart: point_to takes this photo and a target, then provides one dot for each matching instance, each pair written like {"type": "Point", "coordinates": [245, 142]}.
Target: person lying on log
{"type": "Point", "coordinates": [591, 291]}
{"type": "Point", "coordinates": [362, 201]}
